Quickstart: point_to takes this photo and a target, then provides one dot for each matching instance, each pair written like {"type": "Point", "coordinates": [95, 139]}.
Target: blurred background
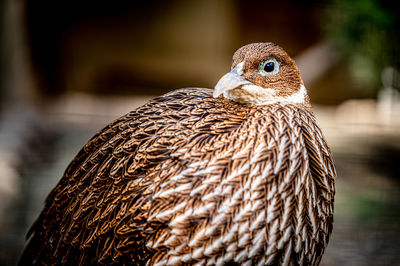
{"type": "Point", "coordinates": [68, 68]}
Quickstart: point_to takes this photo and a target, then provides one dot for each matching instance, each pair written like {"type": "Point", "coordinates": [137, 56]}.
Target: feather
{"type": "Point", "coordinates": [189, 177]}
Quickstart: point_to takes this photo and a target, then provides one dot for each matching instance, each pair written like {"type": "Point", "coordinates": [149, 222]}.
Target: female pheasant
{"type": "Point", "coordinates": [241, 175]}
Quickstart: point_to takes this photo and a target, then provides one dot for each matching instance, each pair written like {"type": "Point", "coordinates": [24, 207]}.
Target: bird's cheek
{"type": "Point", "coordinates": [257, 79]}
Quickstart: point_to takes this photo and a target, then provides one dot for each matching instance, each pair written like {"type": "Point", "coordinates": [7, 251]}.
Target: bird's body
{"type": "Point", "coordinates": [191, 178]}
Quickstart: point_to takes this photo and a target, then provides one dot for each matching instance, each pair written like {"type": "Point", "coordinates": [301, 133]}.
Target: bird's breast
{"type": "Point", "coordinates": [236, 196]}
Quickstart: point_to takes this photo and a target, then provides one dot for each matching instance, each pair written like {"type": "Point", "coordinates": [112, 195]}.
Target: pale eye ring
{"type": "Point", "coordinates": [269, 67]}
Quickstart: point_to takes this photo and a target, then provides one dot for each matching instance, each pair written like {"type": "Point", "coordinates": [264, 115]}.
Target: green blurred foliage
{"type": "Point", "coordinates": [364, 33]}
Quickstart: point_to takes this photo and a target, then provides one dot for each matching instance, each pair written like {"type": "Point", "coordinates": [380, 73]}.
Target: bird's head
{"type": "Point", "coordinates": [262, 73]}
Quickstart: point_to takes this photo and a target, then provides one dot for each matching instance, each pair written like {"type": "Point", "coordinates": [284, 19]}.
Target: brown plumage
{"type": "Point", "coordinates": [244, 177]}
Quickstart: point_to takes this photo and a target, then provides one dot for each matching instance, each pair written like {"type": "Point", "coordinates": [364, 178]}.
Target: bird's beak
{"type": "Point", "coordinates": [230, 81]}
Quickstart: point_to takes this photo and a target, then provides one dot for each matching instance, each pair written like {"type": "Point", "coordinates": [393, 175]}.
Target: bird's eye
{"type": "Point", "coordinates": [269, 67]}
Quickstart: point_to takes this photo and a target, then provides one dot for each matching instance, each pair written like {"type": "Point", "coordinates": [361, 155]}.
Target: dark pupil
{"type": "Point", "coordinates": [269, 67]}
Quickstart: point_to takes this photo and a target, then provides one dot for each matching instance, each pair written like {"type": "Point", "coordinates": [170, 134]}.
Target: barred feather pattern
{"type": "Point", "coordinates": [190, 179]}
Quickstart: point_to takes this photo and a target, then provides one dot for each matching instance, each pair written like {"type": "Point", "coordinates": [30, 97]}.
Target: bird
{"type": "Point", "coordinates": [236, 175]}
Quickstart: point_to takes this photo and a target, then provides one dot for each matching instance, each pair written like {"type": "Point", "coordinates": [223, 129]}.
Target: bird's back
{"type": "Point", "coordinates": [100, 207]}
